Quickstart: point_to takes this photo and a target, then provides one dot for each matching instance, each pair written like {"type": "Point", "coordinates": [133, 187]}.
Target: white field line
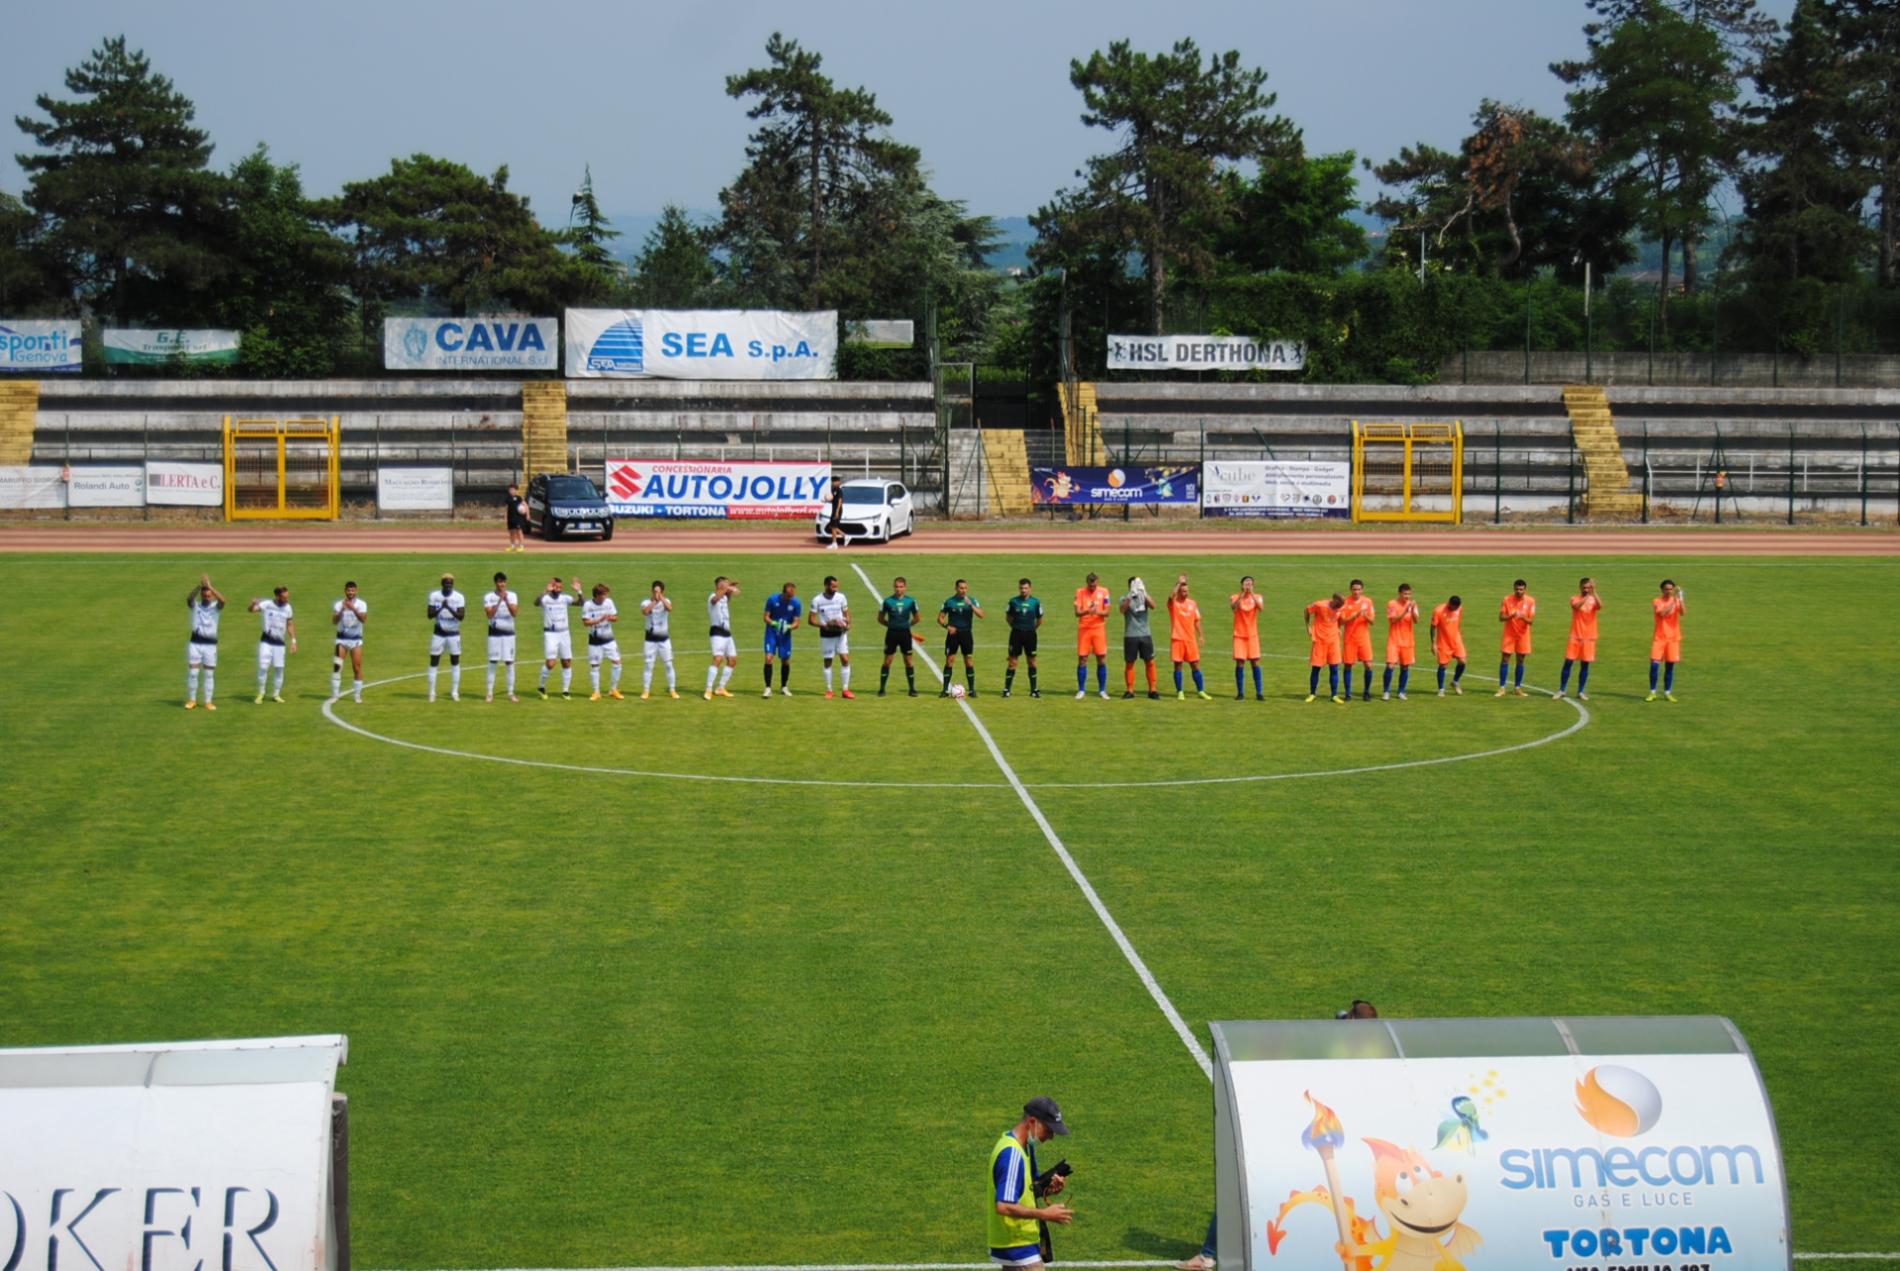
{"type": "Point", "coordinates": [1148, 981]}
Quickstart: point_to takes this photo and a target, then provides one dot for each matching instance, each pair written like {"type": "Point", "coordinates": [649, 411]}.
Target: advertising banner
{"type": "Point", "coordinates": [1180, 483]}
{"type": "Point", "coordinates": [127, 347]}
{"type": "Point", "coordinates": [415, 489]}
{"type": "Point", "coordinates": [169, 1158]}
{"type": "Point", "coordinates": [735, 489]}
{"type": "Point", "coordinates": [38, 487]}
{"type": "Point", "coordinates": [1204, 353]}
{"type": "Point", "coordinates": [486, 342]}
{"type": "Point", "coordinates": [702, 344]}
{"type": "Point", "coordinates": [39, 347]}
{"type": "Point", "coordinates": [1270, 487]}
{"type": "Point", "coordinates": [106, 487]}
{"type": "Point", "coordinates": [1553, 1161]}
{"type": "Point", "coordinates": [187, 484]}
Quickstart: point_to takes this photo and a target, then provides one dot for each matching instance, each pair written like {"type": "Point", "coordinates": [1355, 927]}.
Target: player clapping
{"type": "Point", "coordinates": [557, 642]}
{"type": "Point", "coordinates": [500, 606]}
{"type": "Point", "coordinates": [279, 630]}
{"type": "Point", "coordinates": [657, 612]}
{"type": "Point", "coordinates": [447, 608]}
{"type": "Point", "coordinates": [348, 616]}
{"type": "Point", "coordinates": [201, 653]}
{"type": "Point", "coordinates": [725, 650]}
{"type": "Point", "coordinates": [1401, 639]}
{"type": "Point", "coordinates": [598, 615]}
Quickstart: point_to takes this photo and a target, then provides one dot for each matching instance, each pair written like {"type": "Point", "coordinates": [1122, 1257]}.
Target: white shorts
{"type": "Point", "coordinates": [440, 644]}
{"type": "Point", "coordinates": [349, 642]}
{"type": "Point", "coordinates": [832, 646]}
{"type": "Point", "coordinates": [661, 649]}
{"type": "Point", "coordinates": [201, 654]}
{"type": "Point", "coordinates": [557, 644]}
{"type": "Point", "coordinates": [271, 655]}
{"type": "Point", "coordinates": [598, 653]}
{"type": "Point", "coordinates": [501, 648]}
{"type": "Point", "coordinates": [725, 647]}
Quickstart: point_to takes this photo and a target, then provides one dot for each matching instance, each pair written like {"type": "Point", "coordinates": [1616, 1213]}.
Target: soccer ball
{"type": "Point", "coordinates": [956, 690]}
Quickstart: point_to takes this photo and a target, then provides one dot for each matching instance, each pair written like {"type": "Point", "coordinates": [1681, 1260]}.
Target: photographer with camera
{"type": "Point", "coordinates": [1018, 1229]}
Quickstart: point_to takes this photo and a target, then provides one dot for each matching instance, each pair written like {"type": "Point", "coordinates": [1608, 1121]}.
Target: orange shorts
{"type": "Point", "coordinates": [1093, 641]}
{"type": "Point", "coordinates": [1580, 650]}
{"type": "Point", "coordinates": [1326, 654]}
{"type": "Point", "coordinates": [1665, 650]}
{"type": "Point", "coordinates": [1359, 647]}
{"type": "Point", "coordinates": [1517, 643]}
{"type": "Point", "coordinates": [1246, 648]}
{"type": "Point", "coordinates": [1397, 654]}
{"type": "Point", "coordinates": [1184, 651]}
{"type": "Point", "coordinates": [1446, 652]}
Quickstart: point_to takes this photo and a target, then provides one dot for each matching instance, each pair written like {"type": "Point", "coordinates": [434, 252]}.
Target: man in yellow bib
{"type": "Point", "coordinates": [1015, 1237]}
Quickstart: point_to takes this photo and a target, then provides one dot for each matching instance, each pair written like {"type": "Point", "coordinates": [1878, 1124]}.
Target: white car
{"type": "Point", "coordinates": [874, 511]}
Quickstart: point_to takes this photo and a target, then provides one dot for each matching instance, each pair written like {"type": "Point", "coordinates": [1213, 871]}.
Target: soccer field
{"type": "Point", "coordinates": [761, 981]}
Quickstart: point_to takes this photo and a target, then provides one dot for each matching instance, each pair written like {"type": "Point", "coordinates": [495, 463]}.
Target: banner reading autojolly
{"type": "Point", "coordinates": [485, 342]}
{"type": "Point", "coordinates": [1270, 487]}
{"type": "Point", "coordinates": [34, 347]}
{"type": "Point", "coordinates": [127, 347]}
{"type": "Point", "coordinates": [1511, 1163]}
{"type": "Point", "coordinates": [734, 489]}
{"type": "Point", "coordinates": [702, 344]}
{"type": "Point", "coordinates": [1067, 485]}
{"type": "Point", "coordinates": [1204, 353]}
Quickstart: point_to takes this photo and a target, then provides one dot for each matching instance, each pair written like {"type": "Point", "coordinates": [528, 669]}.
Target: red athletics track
{"type": "Point", "coordinates": [1026, 539]}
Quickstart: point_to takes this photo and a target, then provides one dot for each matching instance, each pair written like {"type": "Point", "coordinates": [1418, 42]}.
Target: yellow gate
{"type": "Point", "coordinates": [282, 469]}
{"type": "Point", "coordinates": [1408, 472]}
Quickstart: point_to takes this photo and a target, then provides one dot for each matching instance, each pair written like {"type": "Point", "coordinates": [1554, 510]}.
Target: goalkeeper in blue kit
{"type": "Point", "coordinates": [782, 611]}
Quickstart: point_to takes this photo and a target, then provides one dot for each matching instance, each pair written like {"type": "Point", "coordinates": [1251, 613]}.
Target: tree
{"type": "Point", "coordinates": [588, 234]}
{"type": "Point", "coordinates": [1179, 123]}
{"type": "Point", "coordinates": [673, 270]}
{"type": "Point", "coordinates": [1870, 36]}
{"type": "Point", "coordinates": [1293, 216]}
{"type": "Point", "coordinates": [1650, 97]}
{"type": "Point", "coordinates": [25, 282]}
{"type": "Point", "coordinates": [130, 210]}
{"type": "Point", "coordinates": [286, 287]}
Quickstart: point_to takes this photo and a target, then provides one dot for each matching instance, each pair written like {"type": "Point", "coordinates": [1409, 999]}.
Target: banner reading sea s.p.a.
{"type": "Point", "coordinates": [485, 342]}
{"type": "Point", "coordinates": [702, 344]}
{"type": "Point", "coordinates": [1176, 484]}
{"type": "Point", "coordinates": [128, 347]}
{"type": "Point", "coordinates": [1276, 488]}
{"type": "Point", "coordinates": [1204, 353]}
{"type": "Point", "coordinates": [733, 489]}
{"type": "Point", "coordinates": [1508, 1164]}
{"type": "Point", "coordinates": [36, 347]}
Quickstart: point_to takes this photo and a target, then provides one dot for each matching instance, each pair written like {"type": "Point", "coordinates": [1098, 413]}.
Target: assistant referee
{"type": "Point", "coordinates": [1015, 1237]}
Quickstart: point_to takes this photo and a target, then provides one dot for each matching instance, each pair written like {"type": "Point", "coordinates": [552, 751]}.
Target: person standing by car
{"type": "Point", "coordinates": [834, 523]}
{"type": "Point", "coordinates": [517, 512]}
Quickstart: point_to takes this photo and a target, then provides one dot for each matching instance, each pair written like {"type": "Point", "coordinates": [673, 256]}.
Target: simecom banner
{"type": "Point", "coordinates": [1129, 484]}
{"type": "Point", "coordinates": [486, 342]}
{"type": "Point", "coordinates": [733, 489]}
{"type": "Point", "coordinates": [39, 348]}
{"type": "Point", "coordinates": [1272, 488]}
{"type": "Point", "coordinates": [702, 344]}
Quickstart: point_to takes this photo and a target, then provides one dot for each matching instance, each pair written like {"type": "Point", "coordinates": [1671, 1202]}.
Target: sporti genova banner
{"type": "Point", "coordinates": [127, 347]}
{"type": "Point", "coordinates": [702, 344]}
{"type": "Point", "coordinates": [1204, 353]}
{"type": "Point", "coordinates": [1276, 488]}
{"type": "Point", "coordinates": [1508, 1164]}
{"type": "Point", "coordinates": [486, 342]}
{"type": "Point", "coordinates": [1180, 483]}
{"type": "Point", "coordinates": [37, 347]}
{"type": "Point", "coordinates": [736, 489]}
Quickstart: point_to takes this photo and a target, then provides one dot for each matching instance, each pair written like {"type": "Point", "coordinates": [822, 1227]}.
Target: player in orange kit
{"type": "Point", "coordinates": [1517, 611]}
{"type": "Point", "coordinates": [1401, 649]}
{"type": "Point", "coordinates": [1184, 623]}
{"type": "Point", "coordinates": [1092, 603]}
{"type": "Point", "coordinates": [1322, 628]}
{"type": "Point", "coordinates": [1582, 647]}
{"type": "Point", "coordinates": [1247, 604]}
{"type": "Point", "coordinates": [1355, 620]}
{"type": "Point", "coordinates": [1665, 647]}
{"type": "Point", "coordinates": [1448, 642]}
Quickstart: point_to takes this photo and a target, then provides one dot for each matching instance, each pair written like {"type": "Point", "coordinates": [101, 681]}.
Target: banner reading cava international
{"type": "Point", "coordinates": [35, 347]}
{"type": "Point", "coordinates": [702, 344]}
{"type": "Point", "coordinates": [486, 342]}
{"type": "Point", "coordinates": [1204, 353]}
{"type": "Point", "coordinates": [1276, 488]}
{"type": "Point", "coordinates": [127, 347]}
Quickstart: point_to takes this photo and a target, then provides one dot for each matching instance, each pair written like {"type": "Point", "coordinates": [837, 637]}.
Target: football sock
{"type": "Point", "coordinates": [491, 679]}
{"type": "Point", "coordinates": [1504, 673]}
{"type": "Point", "coordinates": [646, 677]}
{"type": "Point", "coordinates": [1332, 677]}
{"type": "Point", "coordinates": [1387, 684]}
{"type": "Point", "coordinates": [279, 690]}
{"type": "Point", "coordinates": [883, 677]}
{"type": "Point", "coordinates": [784, 671]}
{"type": "Point", "coordinates": [1441, 677]}
{"type": "Point", "coordinates": [827, 677]}
{"type": "Point", "coordinates": [1654, 669]}
{"type": "Point", "coordinates": [910, 676]}
{"type": "Point", "coordinates": [191, 684]}
{"type": "Point", "coordinates": [1458, 674]}
{"type": "Point", "coordinates": [1151, 677]}
{"type": "Point", "coordinates": [1200, 685]}
{"type": "Point", "coordinates": [1669, 677]}
{"type": "Point", "coordinates": [1349, 679]}
{"type": "Point", "coordinates": [1312, 683]}
{"type": "Point", "coordinates": [432, 670]}
{"type": "Point", "coordinates": [263, 677]}
{"type": "Point", "coordinates": [1130, 676]}
{"type": "Point", "coordinates": [1367, 694]}
{"type": "Point", "coordinates": [1081, 677]}
{"type": "Point", "coordinates": [455, 678]}
{"type": "Point", "coordinates": [1009, 678]}
{"type": "Point", "coordinates": [211, 678]}
{"type": "Point", "coordinates": [846, 672]}
{"type": "Point", "coordinates": [511, 677]}
{"type": "Point", "coordinates": [768, 677]}
{"type": "Point", "coordinates": [1520, 673]}
{"type": "Point", "coordinates": [1177, 679]}
{"type": "Point", "coordinates": [672, 681]}
{"type": "Point", "coordinates": [725, 674]}
{"type": "Point", "coordinates": [712, 673]}
{"type": "Point", "coordinates": [1563, 677]}
{"type": "Point", "coordinates": [359, 690]}
{"type": "Point", "coordinates": [593, 676]}
{"type": "Point", "coordinates": [969, 678]}
{"type": "Point", "coordinates": [567, 678]}
{"type": "Point", "coordinates": [1259, 688]}
{"type": "Point", "coordinates": [1583, 676]}
{"type": "Point", "coordinates": [949, 672]}
{"type": "Point", "coordinates": [1405, 677]}
{"type": "Point", "coordinates": [544, 675]}
{"type": "Point", "coordinates": [1240, 678]}
{"type": "Point", "coordinates": [1032, 678]}
{"type": "Point", "coordinates": [1101, 677]}
{"type": "Point", "coordinates": [336, 684]}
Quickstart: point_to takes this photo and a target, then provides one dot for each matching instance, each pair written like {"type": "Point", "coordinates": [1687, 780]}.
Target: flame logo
{"type": "Point", "coordinates": [1618, 1101]}
{"type": "Point", "coordinates": [1325, 1129]}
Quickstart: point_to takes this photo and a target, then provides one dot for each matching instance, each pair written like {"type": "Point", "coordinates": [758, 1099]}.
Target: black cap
{"type": "Point", "coordinates": [1044, 1109]}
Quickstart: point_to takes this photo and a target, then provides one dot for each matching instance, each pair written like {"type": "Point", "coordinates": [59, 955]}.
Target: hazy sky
{"type": "Point", "coordinates": [637, 89]}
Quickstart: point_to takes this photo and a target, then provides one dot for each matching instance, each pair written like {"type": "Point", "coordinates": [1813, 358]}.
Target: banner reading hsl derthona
{"type": "Point", "coordinates": [702, 344]}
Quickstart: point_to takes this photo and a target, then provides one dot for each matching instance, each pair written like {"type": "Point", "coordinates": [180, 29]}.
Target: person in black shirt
{"type": "Point", "coordinates": [517, 519]}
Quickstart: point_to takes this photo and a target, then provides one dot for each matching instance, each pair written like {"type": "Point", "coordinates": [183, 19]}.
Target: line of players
{"type": "Point", "coordinates": [1339, 630]}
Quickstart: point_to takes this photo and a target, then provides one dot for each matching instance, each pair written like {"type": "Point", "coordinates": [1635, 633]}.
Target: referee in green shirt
{"type": "Point", "coordinates": [1025, 619]}
{"type": "Point", "coordinates": [898, 616]}
{"type": "Point", "coordinates": [957, 619]}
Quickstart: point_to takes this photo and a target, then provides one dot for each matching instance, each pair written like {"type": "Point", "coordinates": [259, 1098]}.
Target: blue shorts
{"type": "Point", "coordinates": [778, 644]}
{"type": "Point", "coordinates": [1016, 1256]}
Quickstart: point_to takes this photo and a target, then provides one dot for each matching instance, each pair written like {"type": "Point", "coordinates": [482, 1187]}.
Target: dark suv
{"type": "Point", "coordinates": [561, 505]}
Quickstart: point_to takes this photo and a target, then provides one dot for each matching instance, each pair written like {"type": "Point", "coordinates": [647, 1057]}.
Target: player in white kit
{"type": "Point", "coordinates": [657, 610]}
{"type": "Point", "coordinates": [725, 651]}
{"type": "Point", "coordinates": [556, 640]}
{"type": "Point", "coordinates": [598, 616]}
{"type": "Point", "coordinates": [279, 630]}
{"type": "Point", "coordinates": [831, 614]}
{"type": "Point", "coordinates": [500, 606]}
{"type": "Point", "coordinates": [347, 616]}
{"type": "Point", "coordinates": [201, 653]}
{"type": "Point", "coordinates": [447, 608]}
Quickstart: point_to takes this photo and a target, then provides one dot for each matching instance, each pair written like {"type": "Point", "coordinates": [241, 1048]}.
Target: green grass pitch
{"type": "Point", "coordinates": [599, 1019]}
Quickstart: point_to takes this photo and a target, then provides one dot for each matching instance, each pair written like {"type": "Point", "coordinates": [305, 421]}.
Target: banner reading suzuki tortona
{"type": "Point", "coordinates": [735, 489]}
{"type": "Point", "coordinates": [702, 344]}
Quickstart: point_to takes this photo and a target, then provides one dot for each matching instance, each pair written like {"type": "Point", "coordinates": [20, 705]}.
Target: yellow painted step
{"type": "Point", "coordinates": [19, 416]}
{"type": "Point", "coordinates": [1007, 460]}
